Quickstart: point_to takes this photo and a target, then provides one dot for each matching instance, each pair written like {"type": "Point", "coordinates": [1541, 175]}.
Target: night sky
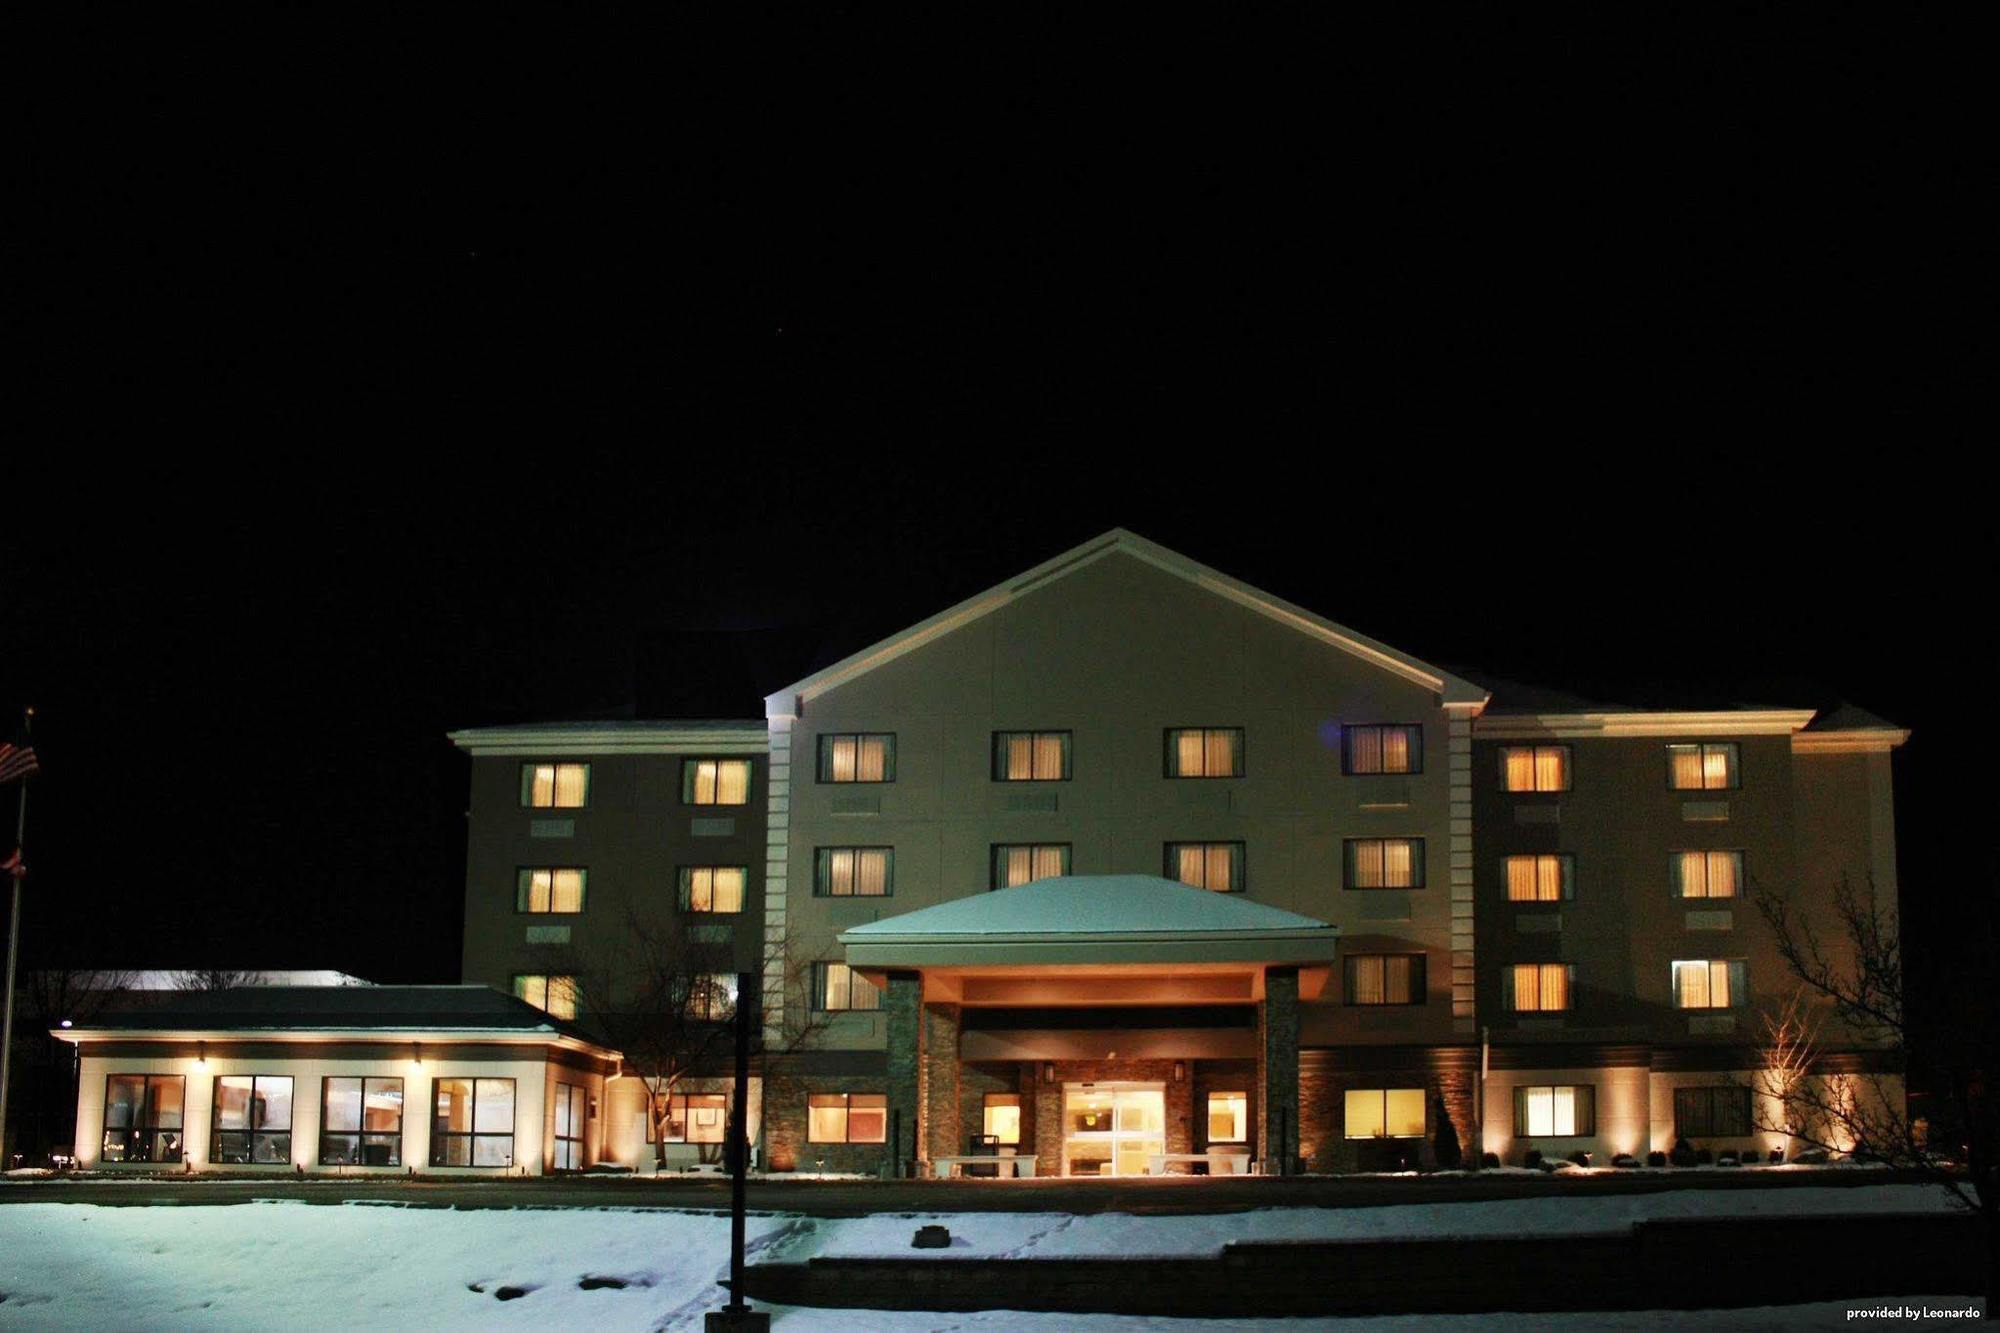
{"type": "Point", "coordinates": [402, 381]}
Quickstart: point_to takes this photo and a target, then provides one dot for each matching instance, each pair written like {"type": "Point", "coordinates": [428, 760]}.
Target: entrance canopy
{"type": "Point", "coordinates": [1092, 939]}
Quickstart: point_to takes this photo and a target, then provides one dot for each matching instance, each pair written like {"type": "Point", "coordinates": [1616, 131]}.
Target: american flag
{"type": "Point", "coordinates": [16, 763]}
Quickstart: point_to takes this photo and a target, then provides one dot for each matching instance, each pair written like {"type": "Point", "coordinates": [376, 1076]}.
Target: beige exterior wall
{"type": "Point", "coordinates": [534, 1075]}
{"type": "Point", "coordinates": [1116, 653]}
{"type": "Point", "coordinates": [1623, 1113]}
{"type": "Point", "coordinates": [624, 1121]}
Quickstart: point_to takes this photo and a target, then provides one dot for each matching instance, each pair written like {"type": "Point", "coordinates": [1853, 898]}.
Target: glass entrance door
{"type": "Point", "coordinates": [1109, 1129]}
{"type": "Point", "coordinates": [569, 1127]}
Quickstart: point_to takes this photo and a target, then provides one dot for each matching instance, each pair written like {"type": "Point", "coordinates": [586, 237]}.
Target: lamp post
{"type": "Point", "coordinates": [14, 878]}
{"type": "Point", "coordinates": [738, 1314]}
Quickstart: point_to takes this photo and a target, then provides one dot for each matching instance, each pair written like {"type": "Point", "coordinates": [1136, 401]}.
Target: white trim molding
{"type": "Point", "coordinates": [588, 738]}
{"type": "Point", "coordinates": [1873, 740]}
{"type": "Point", "coordinates": [1564, 726]}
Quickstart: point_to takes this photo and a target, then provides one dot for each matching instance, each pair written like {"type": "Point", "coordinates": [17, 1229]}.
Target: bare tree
{"type": "Point", "coordinates": [216, 978]}
{"type": "Point", "coordinates": [1850, 973]}
{"type": "Point", "coordinates": [664, 994]}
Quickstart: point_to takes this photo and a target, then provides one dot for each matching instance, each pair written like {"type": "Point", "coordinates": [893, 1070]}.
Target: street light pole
{"type": "Point", "coordinates": [13, 945]}
{"type": "Point", "coordinates": [738, 1314]}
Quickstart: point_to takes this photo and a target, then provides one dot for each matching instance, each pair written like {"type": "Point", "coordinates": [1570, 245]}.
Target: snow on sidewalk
{"type": "Point", "coordinates": [303, 1265]}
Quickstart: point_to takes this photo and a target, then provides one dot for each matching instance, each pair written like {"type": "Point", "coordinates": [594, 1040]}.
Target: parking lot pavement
{"type": "Point", "coordinates": [849, 1198]}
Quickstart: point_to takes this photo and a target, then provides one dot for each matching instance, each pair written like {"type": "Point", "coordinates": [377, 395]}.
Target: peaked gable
{"type": "Point", "coordinates": [1452, 691]}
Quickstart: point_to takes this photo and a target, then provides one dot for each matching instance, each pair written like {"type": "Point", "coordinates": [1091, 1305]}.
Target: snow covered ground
{"type": "Point", "coordinates": [312, 1266]}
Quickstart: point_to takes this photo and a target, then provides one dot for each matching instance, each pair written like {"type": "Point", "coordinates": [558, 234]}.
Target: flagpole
{"type": "Point", "coordinates": [13, 944]}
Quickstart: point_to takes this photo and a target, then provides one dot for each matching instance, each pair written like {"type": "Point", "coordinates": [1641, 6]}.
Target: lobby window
{"type": "Point", "coordinates": [854, 872]}
{"type": "Point", "coordinates": [1708, 874]}
{"type": "Point", "coordinates": [1385, 1113]}
{"type": "Point", "coordinates": [555, 996]}
{"type": "Point", "coordinates": [551, 889]}
{"type": "Point", "coordinates": [1018, 863]}
{"type": "Point", "coordinates": [1385, 863]}
{"type": "Point", "coordinates": [1534, 768]}
{"type": "Point", "coordinates": [847, 1117]}
{"type": "Point", "coordinates": [713, 888]}
{"type": "Point", "coordinates": [1539, 988]}
{"type": "Point", "coordinates": [694, 1117]}
{"type": "Point", "coordinates": [1714, 1112]}
{"type": "Point", "coordinates": [1710, 983]}
{"type": "Point", "coordinates": [472, 1122]}
{"type": "Point", "coordinates": [1541, 879]}
{"type": "Point", "coordinates": [361, 1122]}
{"type": "Point", "coordinates": [858, 757]}
{"type": "Point", "coordinates": [1205, 752]}
{"type": "Point", "coordinates": [1709, 767]}
{"type": "Point", "coordinates": [144, 1117]}
{"type": "Point", "coordinates": [1001, 1118]}
{"type": "Point", "coordinates": [835, 989]}
{"type": "Point", "coordinates": [555, 786]}
{"type": "Point", "coordinates": [1228, 1117]}
{"type": "Point", "coordinates": [1206, 865]}
{"type": "Point", "coordinates": [715, 782]}
{"type": "Point", "coordinates": [1382, 749]}
{"type": "Point", "coordinates": [712, 997]}
{"type": "Point", "coordinates": [1385, 978]}
{"type": "Point", "coordinates": [252, 1120]}
{"type": "Point", "coordinates": [1031, 756]}
{"type": "Point", "coordinates": [1555, 1112]}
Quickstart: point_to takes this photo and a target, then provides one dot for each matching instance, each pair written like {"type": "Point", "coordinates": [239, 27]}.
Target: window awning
{"type": "Point", "coordinates": [1091, 920]}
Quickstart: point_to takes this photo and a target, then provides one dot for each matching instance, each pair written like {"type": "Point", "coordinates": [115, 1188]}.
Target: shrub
{"type": "Point", "coordinates": [1625, 1160]}
{"type": "Point", "coordinates": [1444, 1144]}
{"type": "Point", "coordinates": [1683, 1153]}
{"type": "Point", "coordinates": [1656, 1158]}
{"type": "Point", "coordinates": [1489, 1160]}
{"type": "Point", "coordinates": [1580, 1157]}
{"type": "Point", "coordinates": [1533, 1159]}
{"type": "Point", "coordinates": [1704, 1157]}
{"type": "Point", "coordinates": [1777, 1156]}
{"type": "Point", "coordinates": [1750, 1156]}
{"type": "Point", "coordinates": [1726, 1159]}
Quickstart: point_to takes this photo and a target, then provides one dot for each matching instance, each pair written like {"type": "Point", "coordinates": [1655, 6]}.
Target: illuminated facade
{"type": "Point", "coordinates": [1125, 867]}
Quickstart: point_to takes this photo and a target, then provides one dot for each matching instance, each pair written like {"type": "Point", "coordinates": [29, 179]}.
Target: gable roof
{"type": "Point", "coordinates": [1452, 690]}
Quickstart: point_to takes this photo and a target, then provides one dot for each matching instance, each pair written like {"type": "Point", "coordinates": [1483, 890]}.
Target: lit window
{"type": "Point", "coordinates": [1713, 1112]}
{"type": "Point", "coordinates": [361, 1122]}
{"type": "Point", "coordinates": [1001, 1117]}
{"type": "Point", "coordinates": [555, 996]}
{"type": "Point", "coordinates": [1708, 874]}
{"type": "Point", "coordinates": [1205, 752]}
{"type": "Point", "coordinates": [712, 996]}
{"type": "Point", "coordinates": [1228, 1117]}
{"type": "Point", "coordinates": [715, 782]}
{"type": "Point", "coordinates": [858, 757]}
{"type": "Point", "coordinates": [1555, 1112]}
{"type": "Point", "coordinates": [555, 786]}
{"type": "Point", "coordinates": [1031, 756]}
{"type": "Point", "coordinates": [1385, 978]}
{"type": "Point", "coordinates": [1540, 879]}
{"type": "Point", "coordinates": [1382, 749]}
{"type": "Point", "coordinates": [252, 1120]}
{"type": "Point", "coordinates": [847, 1117]}
{"type": "Point", "coordinates": [143, 1117]}
{"type": "Point", "coordinates": [549, 889]}
{"type": "Point", "coordinates": [1539, 988]}
{"type": "Point", "coordinates": [1385, 863]}
{"type": "Point", "coordinates": [854, 872]}
{"type": "Point", "coordinates": [1379, 1113]}
{"type": "Point", "coordinates": [1018, 863]}
{"type": "Point", "coordinates": [1709, 983]}
{"type": "Point", "coordinates": [1207, 865]}
{"type": "Point", "coordinates": [1702, 767]}
{"type": "Point", "coordinates": [836, 988]}
{"type": "Point", "coordinates": [1534, 768]}
{"type": "Point", "coordinates": [713, 888]}
{"type": "Point", "coordinates": [472, 1122]}
{"type": "Point", "coordinates": [694, 1117]}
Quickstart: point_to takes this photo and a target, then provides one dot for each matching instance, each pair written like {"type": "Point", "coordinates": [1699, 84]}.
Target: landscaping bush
{"type": "Point", "coordinates": [1726, 1159]}
{"type": "Point", "coordinates": [1812, 1157]}
{"type": "Point", "coordinates": [1626, 1161]}
{"type": "Point", "coordinates": [1777, 1156]}
{"type": "Point", "coordinates": [1533, 1159]}
{"type": "Point", "coordinates": [1580, 1157]}
{"type": "Point", "coordinates": [1683, 1153]}
{"type": "Point", "coordinates": [1656, 1158]}
{"type": "Point", "coordinates": [1751, 1157]}
{"type": "Point", "coordinates": [1489, 1160]}
{"type": "Point", "coordinates": [1444, 1144]}
{"type": "Point", "coordinates": [1704, 1157]}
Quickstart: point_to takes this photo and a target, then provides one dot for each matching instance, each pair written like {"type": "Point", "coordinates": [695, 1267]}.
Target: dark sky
{"type": "Point", "coordinates": [399, 380]}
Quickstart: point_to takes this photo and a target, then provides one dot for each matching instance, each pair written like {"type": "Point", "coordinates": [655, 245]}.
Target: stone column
{"type": "Point", "coordinates": [903, 1007]}
{"type": "Point", "coordinates": [940, 1098]}
{"type": "Point", "coordinates": [1278, 1070]}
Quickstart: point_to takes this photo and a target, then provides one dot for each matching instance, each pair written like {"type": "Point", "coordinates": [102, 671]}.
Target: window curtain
{"type": "Point", "coordinates": [1048, 762]}
{"type": "Point", "coordinates": [872, 877]}
{"type": "Point", "coordinates": [1220, 871]}
{"type": "Point", "coordinates": [1396, 987]}
{"type": "Point", "coordinates": [1366, 984]}
{"type": "Point", "coordinates": [872, 761]}
{"type": "Point", "coordinates": [1718, 766]}
{"type": "Point", "coordinates": [1518, 769]}
{"type": "Point", "coordinates": [1020, 758]}
{"type": "Point", "coordinates": [1725, 872]}
{"type": "Point", "coordinates": [1366, 754]}
{"type": "Point", "coordinates": [570, 779]}
{"type": "Point", "coordinates": [566, 894]}
{"type": "Point", "coordinates": [732, 782]}
{"type": "Point", "coordinates": [1550, 764]}
{"type": "Point", "coordinates": [542, 785]}
{"type": "Point", "coordinates": [1188, 755]}
{"type": "Point", "coordinates": [1687, 766]}
{"type": "Point", "coordinates": [1395, 749]}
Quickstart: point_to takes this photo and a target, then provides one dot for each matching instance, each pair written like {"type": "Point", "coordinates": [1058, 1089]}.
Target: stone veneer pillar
{"type": "Point", "coordinates": [938, 1103]}
{"type": "Point", "coordinates": [1278, 1070]}
{"type": "Point", "coordinates": [903, 1008]}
